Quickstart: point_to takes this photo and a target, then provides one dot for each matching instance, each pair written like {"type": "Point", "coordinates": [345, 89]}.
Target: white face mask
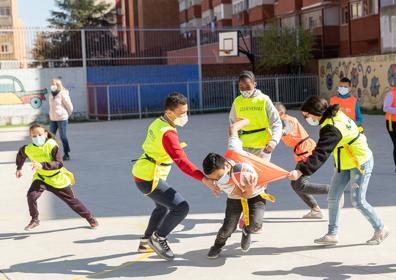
{"type": "Point", "coordinates": [343, 90]}
{"type": "Point", "coordinates": [181, 121]}
{"type": "Point", "coordinates": [312, 121]}
{"type": "Point", "coordinates": [54, 88]}
{"type": "Point", "coordinates": [247, 93]}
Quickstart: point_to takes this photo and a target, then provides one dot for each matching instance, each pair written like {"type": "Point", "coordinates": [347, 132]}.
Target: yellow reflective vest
{"type": "Point", "coordinates": [352, 151]}
{"type": "Point", "coordinates": [154, 163]}
{"type": "Point", "coordinates": [58, 178]}
{"type": "Point", "coordinates": [257, 134]}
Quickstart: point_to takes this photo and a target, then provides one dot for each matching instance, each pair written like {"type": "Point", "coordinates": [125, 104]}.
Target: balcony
{"type": "Point", "coordinates": [194, 12]}
{"type": "Point", "coordinates": [240, 19]}
{"type": "Point", "coordinates": [206, 5]}
{"type": "Point", "coordinates": [261, 13]}
{"type": "Point", "coordinates": [219, 2]}
{"type": "Point", "coordinates": [285, 7]}
{"type": "Point", "coordinates": [183, 16]}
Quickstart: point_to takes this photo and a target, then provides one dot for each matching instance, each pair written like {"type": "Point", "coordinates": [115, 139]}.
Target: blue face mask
{"type": "Point", "coordinates": [39, 140]}
{"type": "Point", "coordinates": [223, 180]}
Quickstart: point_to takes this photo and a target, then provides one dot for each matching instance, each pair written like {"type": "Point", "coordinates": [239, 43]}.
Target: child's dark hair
{"type": "Point", "coordinates": [319, 107]}
{"type": "Point", "coordinates": [36, 125]}
{"type": "Point", "coordinates": [174, 100]}
{"type": "Point", "coordinates": [213, 162]}
{"type": "Point", "coordinates": [345, 80]}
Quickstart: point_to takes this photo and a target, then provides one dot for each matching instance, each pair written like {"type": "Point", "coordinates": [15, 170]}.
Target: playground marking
{"type": "Point", "coordinates": [127, 264]}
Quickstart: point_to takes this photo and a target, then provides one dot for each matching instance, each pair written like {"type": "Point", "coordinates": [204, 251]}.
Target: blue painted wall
{"type": "Point", "coordinates": [123, 99]}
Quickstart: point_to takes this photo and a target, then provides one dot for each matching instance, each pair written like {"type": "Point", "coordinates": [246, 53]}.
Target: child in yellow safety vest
{"type": "Point", "coordinates": [50, 175]}
{"type": "Point", "coordinates": [297, 138]}
{"type": "Point", "coordinates": [244, 182]}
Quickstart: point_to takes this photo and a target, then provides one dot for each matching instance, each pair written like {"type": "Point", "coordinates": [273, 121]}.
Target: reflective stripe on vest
{"type": "Point", "coordinates": [352, 151]}
{"type": "Point", "coordinates": [55, 178]}
{"type": "Point", "coordinates": [257, 134]}
{"type": "Point", "coordinates": [155, 163]}
{"type": "Point", "coordinates": [347, 105]}
{"type": "Point", "coordinates": [391, 117]}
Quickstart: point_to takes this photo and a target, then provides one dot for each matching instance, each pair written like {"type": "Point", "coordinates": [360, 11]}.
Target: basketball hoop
{"type": "Point", "coordinates": [226, 52]}
{"type": "Point", "coordinates": [228, 43]}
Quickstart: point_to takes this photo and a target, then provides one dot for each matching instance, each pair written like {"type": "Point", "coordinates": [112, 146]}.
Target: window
{"type": "Point", "coordinates": [239, 6]}
{"type": "Point", "coordinates": [344, 15]}
{"type": "Point", "coordinates": [5, 11]}
{"type": "Point", "coordinates": [356, 10]}
{"type": "Point", "coordinates": [385, 3]}
{"type": "Point", "coordinates": [5, 48]}
{"type": "Point", "coordinates": [364, 8]}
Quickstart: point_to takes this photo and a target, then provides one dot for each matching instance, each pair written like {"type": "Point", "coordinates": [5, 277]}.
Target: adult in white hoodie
{"type": "Point", "coordinates": [60, 109]}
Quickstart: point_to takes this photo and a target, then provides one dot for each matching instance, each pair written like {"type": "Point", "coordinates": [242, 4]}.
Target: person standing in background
{"type": "Point", "coordinates": [390, 110]}
{"type": "Point", "coordinates": [60, 110]}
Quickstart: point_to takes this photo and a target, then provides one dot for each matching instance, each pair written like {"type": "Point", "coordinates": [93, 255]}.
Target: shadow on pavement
{"type": "Point", "coordinates": [332, 270]}
{"type": "Point", "coordinates": [26, 234]}
{"type": "Point", "coordinates": [92, 268]}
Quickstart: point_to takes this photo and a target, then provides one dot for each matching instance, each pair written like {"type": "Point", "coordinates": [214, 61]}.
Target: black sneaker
{"type": "Point", "coordinates": [214, 252]}
{"type": "Point", "coordinates": [33, 223]}
{"type": "Point", "coordinates": [66, 157]}
{"type": "Point", "coordinates": [160, 246]}
{"type": "Point", "coordinates": [245, 241]}
{"type": "Point", "coordinates": [144, 247]}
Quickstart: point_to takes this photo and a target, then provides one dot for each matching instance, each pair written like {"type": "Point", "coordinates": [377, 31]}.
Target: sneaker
{"type": "Point", "coordinates": [93, 223]}
{"type": "Point", "coordinates": [241, 223]}
{"type": "Point", "coordinates": [313, 214]}
{"type": "Point", "coordinates": [160, 246]}
{"type": "Point", "coordinates": [328, 239]}
{"type": "Point", "coordinates": [214, 252]}
{"type": "Point", "coordinates": [144, 247]}
{"type": "Point", "coordinates": [379, 236]}
{"type": "Point", "coordinates": [33, 223]}
{"type": "Point", "coordinates": [66, 157]}
{"type": "Point", "coordinates": [245, 241]}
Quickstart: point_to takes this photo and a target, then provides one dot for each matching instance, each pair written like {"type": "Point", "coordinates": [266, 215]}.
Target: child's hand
{"type": "Point", "coordinates": [294, 175]}
{"type": "Point", "coordinates": [36, 166]}
{"type": "Point", "coordinates": [18, 173]}
{"type": "Point", "coordinates": [212, 186]}
{"type": "Point", "coordinates": [269, 148]}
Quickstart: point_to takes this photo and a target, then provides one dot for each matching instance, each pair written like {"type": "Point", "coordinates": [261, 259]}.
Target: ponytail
{"type": "Point", "coordinates": [49, 133]}
{"type": "Point", "coordinates": [319, 107]}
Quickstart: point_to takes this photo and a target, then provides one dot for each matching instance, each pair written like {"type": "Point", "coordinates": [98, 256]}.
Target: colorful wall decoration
{"type": "Point", "coordinates": [371, 77]}
{"type": "Point", "coordinates": [24, 93]}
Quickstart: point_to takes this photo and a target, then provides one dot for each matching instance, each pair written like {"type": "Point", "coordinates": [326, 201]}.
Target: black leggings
{"type": "Point", "coordinates": [392, 135]}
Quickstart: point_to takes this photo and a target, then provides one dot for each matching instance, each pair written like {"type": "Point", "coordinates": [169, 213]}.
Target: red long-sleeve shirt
{"type": "Point", "coordinates": [171, 144]}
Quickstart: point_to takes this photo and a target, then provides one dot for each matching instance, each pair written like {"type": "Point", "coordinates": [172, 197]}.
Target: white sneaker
{"type": "Point", "coordinates": [313, 215]}
{"type": "Point", "coordinates": [379, 236]}
{"type": "Point", "coordinates": [328, 239]}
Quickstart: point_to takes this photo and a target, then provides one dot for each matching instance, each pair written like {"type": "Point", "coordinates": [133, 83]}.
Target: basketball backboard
{"type": "Point", "coordinates": [228, 43]}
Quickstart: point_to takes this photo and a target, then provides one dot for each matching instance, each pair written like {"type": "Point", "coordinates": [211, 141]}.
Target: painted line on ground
{"type": "Point", "coordinates": [127, 264]}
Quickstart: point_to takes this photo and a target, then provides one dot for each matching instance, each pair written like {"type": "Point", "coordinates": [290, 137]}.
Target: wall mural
{"type": "Point", "coordinates": [13, 92]}
{"type": "Point", "coordinates": [371, 77]}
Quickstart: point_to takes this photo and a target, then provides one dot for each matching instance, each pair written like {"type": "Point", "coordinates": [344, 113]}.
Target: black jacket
{"type": "Point", "coordinates": [329, 136]}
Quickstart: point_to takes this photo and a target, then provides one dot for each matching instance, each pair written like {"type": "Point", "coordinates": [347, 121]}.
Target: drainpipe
{"type": "Point", "coordinates": [349, 28]}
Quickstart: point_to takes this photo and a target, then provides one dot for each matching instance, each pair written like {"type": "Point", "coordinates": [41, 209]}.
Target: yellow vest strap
{"type": "Point", "coordinates": [245, 209]}
{"type": "Point", "coordinates": [390, 123]}
{"type": "Point", "coordinates": [245, 205]}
